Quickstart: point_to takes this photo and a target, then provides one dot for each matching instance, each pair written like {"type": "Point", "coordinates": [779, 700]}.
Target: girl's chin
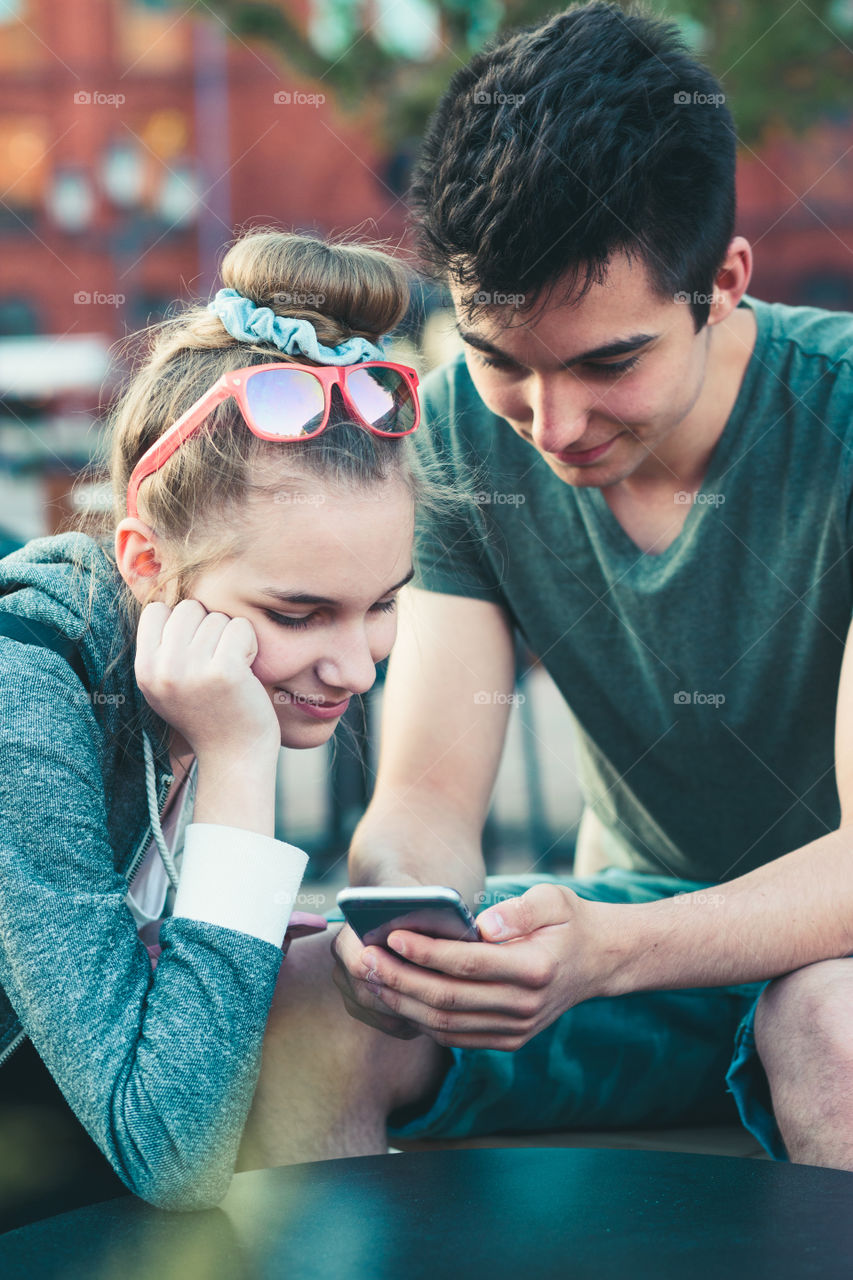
{"type": "Point", "coordinates": [307, 733]}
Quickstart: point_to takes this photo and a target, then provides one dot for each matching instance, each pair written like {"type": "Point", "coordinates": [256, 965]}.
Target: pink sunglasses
{"type": "Point", "coordinates": [292, 402]}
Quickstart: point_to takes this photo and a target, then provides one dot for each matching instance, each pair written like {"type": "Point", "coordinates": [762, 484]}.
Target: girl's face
{"type": "Point", "coordinates": [318, 580]}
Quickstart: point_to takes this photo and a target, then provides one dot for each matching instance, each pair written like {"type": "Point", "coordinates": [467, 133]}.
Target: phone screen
{"type": "Point", "coordinates": [373, 921]}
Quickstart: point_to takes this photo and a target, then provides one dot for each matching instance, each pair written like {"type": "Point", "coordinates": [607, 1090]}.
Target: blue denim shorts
{"type": "Point", "coordinates": [645, 1060]}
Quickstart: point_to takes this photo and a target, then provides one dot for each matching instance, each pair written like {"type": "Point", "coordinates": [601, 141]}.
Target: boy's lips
{"type": "Point", "coordinates": [586, 455]}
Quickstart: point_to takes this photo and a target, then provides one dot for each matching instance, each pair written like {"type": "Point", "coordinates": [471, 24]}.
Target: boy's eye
{"type": "Point", "coordinates": [607, 369]}
{"type": "Point", "coordinates": [494, 364]}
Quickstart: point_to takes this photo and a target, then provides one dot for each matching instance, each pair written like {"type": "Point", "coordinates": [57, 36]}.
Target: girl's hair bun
{"type": "Point", "coordinates": [342, 289]}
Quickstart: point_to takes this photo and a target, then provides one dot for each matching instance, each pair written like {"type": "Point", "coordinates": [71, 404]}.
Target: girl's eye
{"type": "Point", "coordinates": [298, 624]}
{"type": "Point", "coordinates": [284, 620]}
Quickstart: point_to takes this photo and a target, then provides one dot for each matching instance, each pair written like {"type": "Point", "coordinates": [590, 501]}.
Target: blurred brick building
{"type": "Point", "coordinates": [136, 136]}
{"type": "Point", "coordinates": [796, 208]}
{"type": "Point", "coordinates": [133, 138]}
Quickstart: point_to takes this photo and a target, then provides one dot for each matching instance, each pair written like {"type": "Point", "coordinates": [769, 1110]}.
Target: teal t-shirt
{"type": "Point", "coordinates": [702, 680]}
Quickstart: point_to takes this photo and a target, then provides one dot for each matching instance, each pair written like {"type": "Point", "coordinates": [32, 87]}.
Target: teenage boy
{"type": "Point", "coordinates": [665, 472]}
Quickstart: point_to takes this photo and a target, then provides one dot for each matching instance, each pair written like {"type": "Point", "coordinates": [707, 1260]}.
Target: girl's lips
{"type": "Point", "coordinates": [316, 710]}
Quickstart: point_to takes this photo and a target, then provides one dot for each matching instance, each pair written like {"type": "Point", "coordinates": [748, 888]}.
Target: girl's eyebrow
{"type": "Point", "coordinates": [301, 597]}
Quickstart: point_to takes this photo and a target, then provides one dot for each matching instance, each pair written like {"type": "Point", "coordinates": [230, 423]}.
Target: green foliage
{"type": "Point", "coordinates": [779, 64]}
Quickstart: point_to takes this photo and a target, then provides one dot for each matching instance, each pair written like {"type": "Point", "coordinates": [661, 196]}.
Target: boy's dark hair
{"type": "Point", "coordinates": [562, 143]}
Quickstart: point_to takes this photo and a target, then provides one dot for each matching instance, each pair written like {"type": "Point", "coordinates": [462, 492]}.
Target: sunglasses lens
{"type": "Point", "coordinates": [285, 402]}
{"type": "Point", "coordinates": [383, 397]}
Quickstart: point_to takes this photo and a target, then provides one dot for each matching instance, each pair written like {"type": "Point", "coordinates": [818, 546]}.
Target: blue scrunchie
{"type": "Point", "coordinates": [250, 323]}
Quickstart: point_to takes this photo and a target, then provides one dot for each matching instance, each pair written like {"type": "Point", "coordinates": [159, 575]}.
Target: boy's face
{"type": "Point", "coordinates": [596, 419]}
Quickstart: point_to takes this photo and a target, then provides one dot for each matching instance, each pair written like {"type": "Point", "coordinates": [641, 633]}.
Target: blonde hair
{"type": "Point", "coordinates": [197, 502]}
{"type": "Point", "coordinates": [344, 290]}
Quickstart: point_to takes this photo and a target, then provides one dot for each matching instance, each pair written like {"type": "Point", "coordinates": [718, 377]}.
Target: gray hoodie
{"type": "Point", "coordinates": [160, 1067]}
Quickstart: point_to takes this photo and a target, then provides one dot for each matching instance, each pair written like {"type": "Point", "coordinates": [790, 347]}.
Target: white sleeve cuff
{"type": "Point", "coordinates": [239, 879]}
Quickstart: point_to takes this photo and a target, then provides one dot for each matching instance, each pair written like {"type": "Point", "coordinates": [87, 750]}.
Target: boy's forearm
{"type": "Point", "coordinates": [792, 912]}
{"type": "Point", "coordinates": [416, 839]}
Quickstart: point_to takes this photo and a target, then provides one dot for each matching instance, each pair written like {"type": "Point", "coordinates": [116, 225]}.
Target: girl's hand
{"type": "Point", "coordinates": [195, 670]}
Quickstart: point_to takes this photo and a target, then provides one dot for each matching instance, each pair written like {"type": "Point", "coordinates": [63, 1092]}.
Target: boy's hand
{"type": "Point", "coordinates": [476, 995]}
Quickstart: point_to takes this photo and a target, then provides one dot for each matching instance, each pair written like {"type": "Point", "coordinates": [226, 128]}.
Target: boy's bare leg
{"type": "Point", "coordinates": [328, 1081]}
{"type": "Point", "coordinates": [803, 1037]}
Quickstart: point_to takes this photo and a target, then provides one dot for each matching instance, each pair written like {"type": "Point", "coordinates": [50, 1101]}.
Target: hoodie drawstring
{"type": "Point", "coordinates": [153, 812]}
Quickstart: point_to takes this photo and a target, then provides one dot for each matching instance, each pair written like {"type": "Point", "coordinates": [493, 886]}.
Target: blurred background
{"type": "Point", "coordinates": [137, 136]}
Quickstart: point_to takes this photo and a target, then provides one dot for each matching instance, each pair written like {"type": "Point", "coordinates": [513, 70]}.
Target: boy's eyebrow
{"type": "Point", "coordinates": [301, 597]}
{"type": "Point", "coordinates": [616, 348]}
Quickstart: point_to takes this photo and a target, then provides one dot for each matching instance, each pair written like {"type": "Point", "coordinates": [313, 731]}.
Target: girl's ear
{"type": "Point", "coordinates": [138, 556]}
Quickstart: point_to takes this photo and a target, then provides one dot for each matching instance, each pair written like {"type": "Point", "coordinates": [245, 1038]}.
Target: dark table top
{"type": "Point", "coordinates": [501, 1214]}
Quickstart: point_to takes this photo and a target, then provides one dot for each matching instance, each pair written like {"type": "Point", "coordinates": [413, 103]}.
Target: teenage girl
{"type": "Point", "coordinates": [264, 495]}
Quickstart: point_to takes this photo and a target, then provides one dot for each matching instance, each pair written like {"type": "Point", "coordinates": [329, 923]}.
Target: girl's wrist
{"type": "Point", "coordinates": [236, 793]}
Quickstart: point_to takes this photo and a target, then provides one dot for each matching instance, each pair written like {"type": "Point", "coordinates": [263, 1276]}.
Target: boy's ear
{"type": "Point", "coordinates": [137, 556]}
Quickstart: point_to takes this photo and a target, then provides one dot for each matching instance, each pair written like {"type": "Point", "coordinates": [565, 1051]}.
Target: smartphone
{"type": "Point", "coordinates": [432, 909]}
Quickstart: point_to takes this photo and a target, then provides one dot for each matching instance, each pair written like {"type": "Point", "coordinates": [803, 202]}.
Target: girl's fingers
{"type": "Point", "coordinates": [205, 640]}
{"type": "Point", "coordinates": [181, 626]}
{"type": "Point", "coordinates": [152, 620]}
{"type": "Point", "coordinates": [237, 641]}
